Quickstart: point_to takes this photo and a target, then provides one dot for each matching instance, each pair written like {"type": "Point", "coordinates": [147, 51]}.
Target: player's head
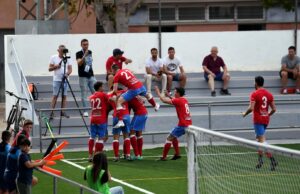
{"type": "Point", "coordinates": [84, 44]}
{"type": "Point", "coordinates": [171, 52]}
{"type": "Point", "coordinates": [20, 138]}
{"type": "Point", "coordinates": [115, 68]}
{"type": "Point", "coordinates": [61, 49]}
{"type": "Point", "coordinates": [117, 53]}
{"type": "Point", "coordinates": [259, 81]}
{"type": "Point", "coordinates": [100, 163]}
{"type": "Point", "coordinates": [25, 145]}
{"type": "Point", "coordinates": [154, 53]}
{"type": "Point", "coordinates": [179, 92]}
{"type": "Point", "coordinates": [98, 86]}
{"type": "Point", "coordinates": [27, 126]}
{"type": "Point", "coordinates": [292, 51]}
{"type": "Point", "coordinates": [214, 51]}
{"type": "Point", "coordinates": [6, 135]}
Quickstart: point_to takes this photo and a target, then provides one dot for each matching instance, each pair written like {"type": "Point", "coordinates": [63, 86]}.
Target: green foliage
{"type": "Point", "coordinates": [288, 5]}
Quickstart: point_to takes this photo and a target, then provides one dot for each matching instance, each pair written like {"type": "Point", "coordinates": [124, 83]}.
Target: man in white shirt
{"type": "Point", "coordinates": [174, 69]}
{"type": "Point", "coordinates": [57, 66]}
{"type": "Point", "coordinates": [154, 71]}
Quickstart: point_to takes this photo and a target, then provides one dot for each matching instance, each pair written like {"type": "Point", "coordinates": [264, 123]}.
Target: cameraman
{"type": "Point", "coordinates": [57, 65]}
{"type": "Point", "coordinates": [85, 72]}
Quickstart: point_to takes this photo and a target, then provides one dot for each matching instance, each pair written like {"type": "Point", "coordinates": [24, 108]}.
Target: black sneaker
{"type": "Point", "coordinates": [161, 159]}
{"type": "Point", "coordinates": [260, 162]}
{"type": "Point", "coordinates": [213, 93]}
{"type": "Point", "coordinates": [90, 159]}
{"type": "Point", "coordinates": [63, 114]}
{"type": "Point", "coordinates": [176, 157]}
{"type": "Point", "coordinates": [116, 159]}
{"type": "Point", "coordinates": [129, 158]}
{"type": "Point", "coordinates": [273, 164]}
{"type": "Point", "coordinates": [224, 92]}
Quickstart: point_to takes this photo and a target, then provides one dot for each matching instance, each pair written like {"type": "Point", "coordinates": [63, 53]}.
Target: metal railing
{"type": "Point", "coordinates": [23, 82]}
{"type": "Point", "coordinates": [81, 187]}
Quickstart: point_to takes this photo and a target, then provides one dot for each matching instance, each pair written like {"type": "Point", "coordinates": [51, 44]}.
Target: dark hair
{"type": "Point", "coordinates": [153, 49]}
{"type": "Point", "coordinates": [83, 40]}
{"type": "Point", "coordinates": [5, 138]}
{"type": "Point", "coordinates": [292, 47]}
{"type": "Point", "coordinates": [20, 138]}
{"type": "Point", "coordinates": [259, 80]}
{"type": "Point", "coordinates": [100, 163]}
{"type": "Point", "coordinates": [115, 67]}
{"type": "Point", "coordinates": [98, 85]}
{"type": "Point", "coordinates": [25, 142]}
{"type": "Point", "coordinates": [181, 91]}
{"type": "Point", "coordinates": [171, 48]}
{"type": "Point", "coordinates": [27, 122]}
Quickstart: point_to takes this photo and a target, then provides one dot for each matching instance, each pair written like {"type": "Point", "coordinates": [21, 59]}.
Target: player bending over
{"type": "Point", "coordinates": [260, 101]}
{"type": "Point", "coordinates": [124, 116]}
{"type": "Point", "coordinates": [135, 87]}
{"type": "Point", "coordinates": [99, 104]}
{"type": "Point", "coordinates": [137, 125]}
{"type": "Point", "coordinates": [183, 113]}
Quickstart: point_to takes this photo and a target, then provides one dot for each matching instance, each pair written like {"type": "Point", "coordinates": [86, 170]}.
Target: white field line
{"type": "Point", "coordinates": [114, 179]}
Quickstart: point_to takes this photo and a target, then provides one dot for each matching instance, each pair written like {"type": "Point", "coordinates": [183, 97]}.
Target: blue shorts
{"type": "Point", "coordinates": [260, 129]}
{"type": "Point", "coordinates": [56, 85]}
{"type": "Point", "coordinates": [125, 129]}
{"type": "Point", "coordinates": [176, 77]}
{"type": "Point", "coordinates": [98, 130]}
{"type": "Point", "coordinates": [178, 131]}
{"type": "Point", "coordinates": [130, 94]}
{"type": "Point", "coordinates": [138, 122]}
{"type": "Point", "coordinates": [217, 78]}
{"type": "Point", "coordinates": [9, 183]}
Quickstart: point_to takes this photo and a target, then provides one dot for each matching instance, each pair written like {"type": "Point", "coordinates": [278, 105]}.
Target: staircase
{"type": "Point", "coordinates": [225, 110]}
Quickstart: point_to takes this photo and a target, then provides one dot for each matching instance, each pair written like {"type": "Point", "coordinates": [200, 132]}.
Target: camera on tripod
{"type": "Point", "coordinates": [65, 51]}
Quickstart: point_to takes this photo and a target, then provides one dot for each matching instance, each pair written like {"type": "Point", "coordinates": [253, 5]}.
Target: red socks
{"type": "Point", "coordinates": [269, 154]}
{"type": "Point", "coordinates": [99, 146]}
{"type": "Point", "coordinates": [127, 147]}
{"type": "Point", "coordinates": [140, 142]}
{"type": "Point", "coordinates": [176, 146]}
{"type": "Point", "coordinates": [166, 148]}
{"type": "Point", "coordinates": [116, 147]}
{"type": "Point", "coordinates": [152, 102]}
{"type": "Point", "coordinates": [133, 142]}
{"type": "Point", "coordinates": [91, 145]}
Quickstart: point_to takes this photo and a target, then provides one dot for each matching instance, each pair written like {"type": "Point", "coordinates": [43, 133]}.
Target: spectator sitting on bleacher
{"type": "Point", "coordinates": [212, 71]}
{"type": "Point", "coordinates": [290, 65]}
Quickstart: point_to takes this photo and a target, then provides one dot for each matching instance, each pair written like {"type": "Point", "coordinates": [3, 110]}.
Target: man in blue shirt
{"type": "Point", "coordinates": [4, 149]}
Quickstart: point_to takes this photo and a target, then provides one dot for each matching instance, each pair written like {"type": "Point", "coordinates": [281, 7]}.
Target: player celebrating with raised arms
{"type": "Point", "coordinates": [137, 125]}
{"type": "Point", "coordinates": [135, 87]}
{"type": "Point", "coordinates": [99, 104]}
{"type": "Point", "coordinates": [183, 113]}
{"type": "Point", "coordinates": [260, 101]}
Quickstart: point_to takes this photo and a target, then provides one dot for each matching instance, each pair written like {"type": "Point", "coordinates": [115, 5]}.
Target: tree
{"type": "Point", "coordinates": [113, 16]}
{"type": "Point", "coordinates": [288, 5]}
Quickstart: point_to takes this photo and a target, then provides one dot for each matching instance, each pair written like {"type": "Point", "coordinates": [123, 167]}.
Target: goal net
{"type": "Point", "coordinates": [221, 163]}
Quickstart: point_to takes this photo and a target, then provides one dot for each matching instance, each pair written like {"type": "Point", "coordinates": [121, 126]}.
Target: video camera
{"type": "Point", "coordinates": [65, 50]}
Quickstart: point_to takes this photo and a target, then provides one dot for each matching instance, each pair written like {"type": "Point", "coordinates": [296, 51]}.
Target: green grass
{"type": "Point", "coordinates": [221, 175]}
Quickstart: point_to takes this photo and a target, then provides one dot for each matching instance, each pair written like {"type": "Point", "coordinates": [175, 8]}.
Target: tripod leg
{"type": "Point", "coordinates": [62, 87]}
{"type": "Point", "coordinates": [78, 106]}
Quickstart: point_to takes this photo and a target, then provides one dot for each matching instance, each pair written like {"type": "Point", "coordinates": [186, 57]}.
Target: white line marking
{"type": "Point", "coordinates": [114, 179]}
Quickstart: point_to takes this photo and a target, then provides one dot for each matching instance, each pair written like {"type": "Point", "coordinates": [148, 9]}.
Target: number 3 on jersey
{"type": "Point", "coordinates": [264, 102]}
{"type": "Point", "coordinates": [96, 104]}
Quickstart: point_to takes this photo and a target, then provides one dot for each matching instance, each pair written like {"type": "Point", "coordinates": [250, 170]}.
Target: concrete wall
{"type": "Point", "coordinates": [244, 51]}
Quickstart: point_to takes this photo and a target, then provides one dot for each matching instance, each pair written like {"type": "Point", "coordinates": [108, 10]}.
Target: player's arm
{"type": "Point", "coordinates": [127, 61]}
{"type": "Point", "coordinates": [273, 108]}
{"type": "Point", "coordinates": [109, 175]}
{"type": "Point", "coordinates": [284, 68]}
{"type": "Point", "coordinates": [181, 70]}
{"type": "Point", "coordinates": [206, 70]}
{"type": "Point", "coordinates": [80, 60]}
{"type": "Point", "coordinates": [250, 109]}
{"type": "Point", "coordinates": [115, 88]}
{"type": "Point", "coordinates": [30, 164]}
{"type": "Point", "coordinates": [167, 71]}
{"type": "Point", "coordinates": [163, 99]}
{"type": "Point", "coordinates": [149, 71]}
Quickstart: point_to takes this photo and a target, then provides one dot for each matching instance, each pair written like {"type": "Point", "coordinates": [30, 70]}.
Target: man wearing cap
{"type": "Point", "coordinates": [117, 59]}
{"type": "Point", "coordinates": [212, 71]}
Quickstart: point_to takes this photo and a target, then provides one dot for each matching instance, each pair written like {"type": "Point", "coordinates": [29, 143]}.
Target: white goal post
{"type": "Point", "coordinates": [221, 163]}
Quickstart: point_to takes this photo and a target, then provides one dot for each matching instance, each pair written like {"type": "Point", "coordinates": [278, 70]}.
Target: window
{"type": "Point", "coordinates": [250, 12]}
{"type": "Point", "coordinates": [191, 13]}
{"type": "Point", "coordinates": [221, 12]}
{"type": "Point", "coordinates": [166, 14]}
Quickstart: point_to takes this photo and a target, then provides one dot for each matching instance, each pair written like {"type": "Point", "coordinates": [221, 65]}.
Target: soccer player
{"type": "Point", "coordinates": [4, 149]}
{"type": "Point", "coordinates": [26, 129]}
{"type": "Point", "coordinates": [124, 116]}
{"type": "Point", "coordinates": [183, 113]}
{"type": "Point", "coordinates": [99, 104]}
{"type": "Point", "coordinates": [135, 87]}
{"type": "Point", "coordinates": [137, 125]}
{"type": "Point", "coordinates": [260, 101]}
